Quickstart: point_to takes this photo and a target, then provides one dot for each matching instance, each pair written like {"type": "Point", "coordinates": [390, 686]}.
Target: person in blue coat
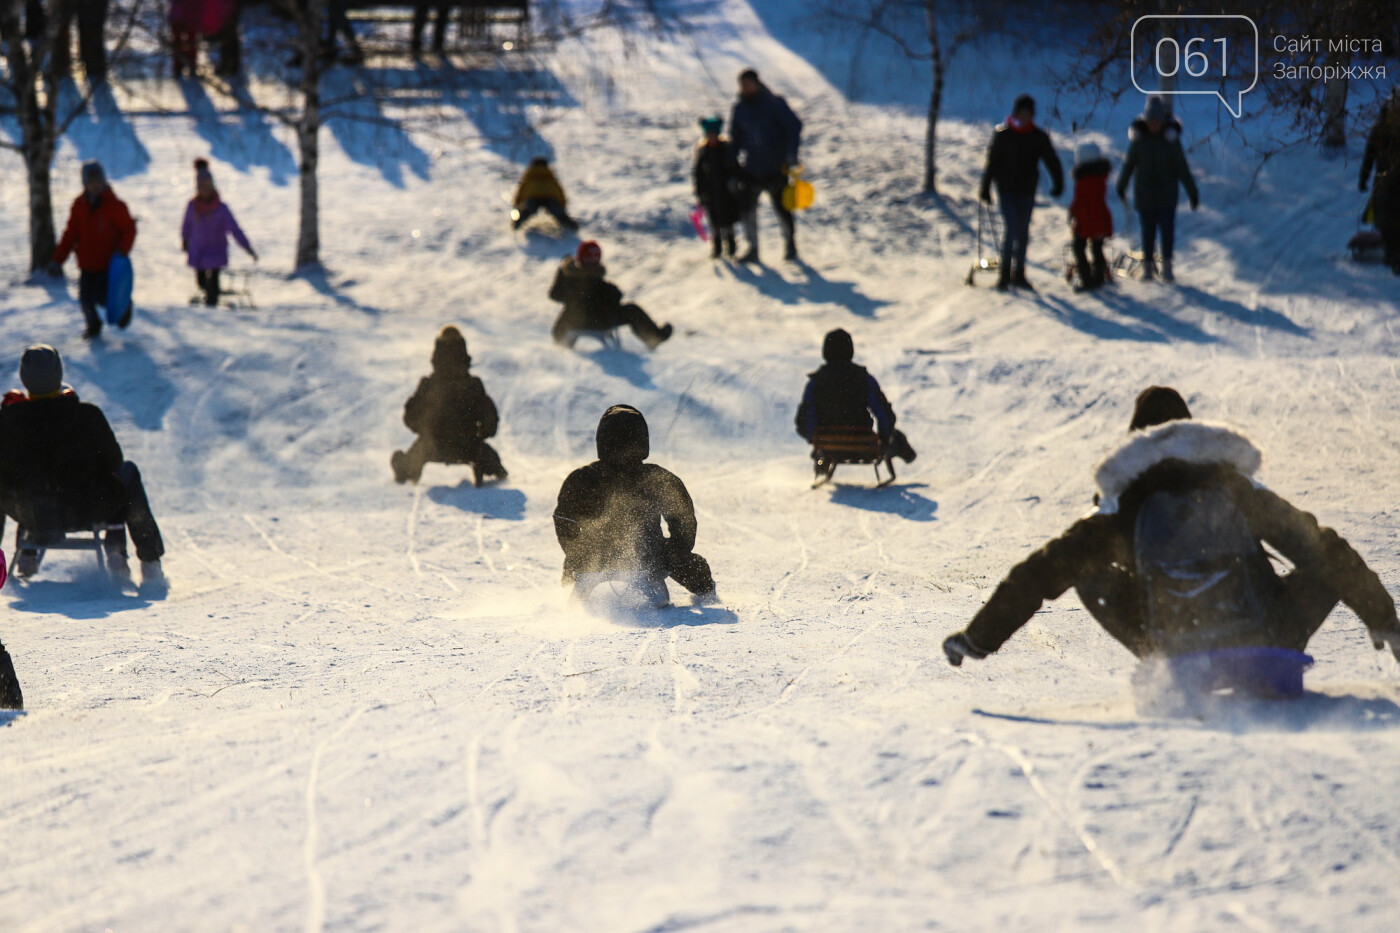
{"type": "Point", "coordinates": [764, 135]}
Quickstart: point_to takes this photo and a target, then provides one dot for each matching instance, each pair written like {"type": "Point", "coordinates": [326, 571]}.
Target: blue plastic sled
{"type": "Point", "coordinates": [1263, 672]}
{"type": "Point", "coordinates": [120, 278]}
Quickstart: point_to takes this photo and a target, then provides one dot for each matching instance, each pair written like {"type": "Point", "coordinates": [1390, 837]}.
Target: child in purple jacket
{"type": "Point", "coordinates": [204, 236]}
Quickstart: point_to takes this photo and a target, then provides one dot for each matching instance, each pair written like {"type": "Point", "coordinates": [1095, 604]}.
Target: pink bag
{"type": "Point", "coordinates": [697, 220]}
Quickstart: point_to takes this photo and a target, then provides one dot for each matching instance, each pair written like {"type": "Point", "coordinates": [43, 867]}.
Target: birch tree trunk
{"type": "Point", "coordinates": [309, 134]}
{"type": "Point", "coordinates": [935, 100]}
{"type": "Point", "coordinates": [34, 87]}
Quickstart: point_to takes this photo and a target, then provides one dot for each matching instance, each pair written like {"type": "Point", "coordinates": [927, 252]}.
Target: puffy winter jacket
{"type": "Point", "coordinates": [205, 232]}
{"type": "Point", "coordinates": [539, 184]}
{"type": "Point", "coordinates": [1096, 554]}
{"type": "Point", "coordinates": [1088, 212]}
{"type": "Point", "coordinates": [61, 447]}
{"type": "Point", "coordinates": [1159, 164]}
{"type": "Point", "coordinates": [765, 134]}
{"type": "Point", "coordinates": [1013, 161]}
{"type": "Point", "coordinates": [454, 411]}
{"type": "Point", "coordinates": [713, 171]}
{"type": "Point", "coordinates": [96, 232]}
{"type": "Point", "coordinates": [609, 512]}
{"type": "Point", "coordinates": [843, 395]}
{"type": "Point", "coordinates": [590, 301]}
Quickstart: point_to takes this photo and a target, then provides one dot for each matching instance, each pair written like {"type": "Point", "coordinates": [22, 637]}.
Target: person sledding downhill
{"type": "Point", "coordinates": [61, 469]}
{"type": "Point", "coordinates": [99, 227]}
{"type": "Point", "coordinates": [593, 305]}
{"type": "Point", "coordinates": [1172, 562]}
{"type": "Point", "coordinates": [716, 186]}
{"type": "Point", "coordinates": [1156, 165]}
{"type": "Point", "coordinates": [609, 514]}
{"type": "Point", "coordinates": [1089, 216]}
{"type": "Point", "coordinates": [1013, 165]}
{"type": "Point", "coordinates": [452, 416]}
{"type": "Point", "coordinates": [845, 416]}
{"type": "Point", "coordinates": [540, 190]}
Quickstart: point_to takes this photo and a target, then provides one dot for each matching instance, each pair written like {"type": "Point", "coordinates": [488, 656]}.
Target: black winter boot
{"type": "Point", "coordinates": [10, 695]}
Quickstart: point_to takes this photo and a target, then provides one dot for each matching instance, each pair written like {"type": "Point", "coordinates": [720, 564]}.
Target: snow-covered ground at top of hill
{"type": "Point", "coordinates": [367, 706]}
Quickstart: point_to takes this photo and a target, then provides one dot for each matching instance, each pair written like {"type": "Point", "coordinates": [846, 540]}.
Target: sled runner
{"type": "Point", "coordinates": [31, 545]}
{"type": "Point", "coordinates": [831, 447]}
{"type": "Point", "coordinates": [988, 235]}
{"type": "Point", "coordinates": [1129, 262]}
{"type": "Point", "coordinates": [119, 283]}
{"type": "Point", "coordinates": [608, 338]}
{"type": "Point", "coordinates": [237, 295]}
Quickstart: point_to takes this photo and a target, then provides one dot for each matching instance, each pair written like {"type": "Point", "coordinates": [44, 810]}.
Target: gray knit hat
{"type": "Point", "coordinates": [41, 370]}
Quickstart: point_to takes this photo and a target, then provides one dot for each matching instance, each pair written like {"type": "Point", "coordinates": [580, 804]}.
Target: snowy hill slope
{"type": "Point", "coordinates": [366, 706]}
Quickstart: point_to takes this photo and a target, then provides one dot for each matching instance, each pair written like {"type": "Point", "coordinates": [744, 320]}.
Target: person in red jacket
{"type": "Point", "coordinates": [99, 227]}
{"type": "Point", "coordinates": [1089, 216]}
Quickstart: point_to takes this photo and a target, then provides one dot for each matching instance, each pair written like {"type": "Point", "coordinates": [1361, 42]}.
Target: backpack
{"type": "Point", "coordinates": [1199, 571]}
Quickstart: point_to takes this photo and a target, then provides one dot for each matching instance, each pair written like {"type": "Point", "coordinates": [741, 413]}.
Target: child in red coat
{"type": "Point", "coordinates": [1089, 216]}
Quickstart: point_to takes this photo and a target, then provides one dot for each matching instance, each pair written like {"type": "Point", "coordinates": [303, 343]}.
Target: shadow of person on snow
{"type": "Point", "coordinates": [622, 365]}
{"type": "Point", "coordinates": [243, 142]}
{"type": "Point", "coordinates": [497, 502]}
{"type": "Point", "coordinates": [9, 715]}
{"type": "Point", "coordinates": [814, 289]}
{"type": "Point", "coordinates": [102, 131]}
{"type": "Point", "coordinates": [1149, 325]}
{"type": "Point", "coordinates": [896, 499]}
{"type": "Point", "coordinates": [676, 616]}
{"type": "Point", "coordinates": [130, 379]}
{"type": "Point", "coordinates": [88, 594]}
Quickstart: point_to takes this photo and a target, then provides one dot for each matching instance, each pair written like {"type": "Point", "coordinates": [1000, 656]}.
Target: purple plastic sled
{"type": "Point", "coordinates": [1263, 672]}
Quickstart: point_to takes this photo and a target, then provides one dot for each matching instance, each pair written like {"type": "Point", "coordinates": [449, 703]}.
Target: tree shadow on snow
{"type": "Point", "coordinates": [131, 380]}
{"type": "Point", "coordinates": [248, 142]}
{"type": "Point", "coordinates": [814, 289]}
{"type": "Point", "coordinates": [101, 131]}
{"type": "Point", "coordinates": [319, 279]}
{"type": "Point", "coordinates": [488, 501]}
{"type": "Point", "coordinates": [896, 499]}
{"type": "Point", "coordinates": [365, 135]}
{"type": "Point", "coordinates": [621, 365]}
{"type": "Point", "coordinates": [1262, 317]}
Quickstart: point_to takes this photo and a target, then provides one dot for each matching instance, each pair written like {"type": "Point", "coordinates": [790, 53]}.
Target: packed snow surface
{"type": "Point", "coordinates": [368, 706]}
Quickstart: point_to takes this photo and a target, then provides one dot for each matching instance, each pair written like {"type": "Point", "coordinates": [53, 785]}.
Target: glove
{"type": "Point", "coordinates": [1056, 191]}
{"type": "Point", "coordinates": [1387, 638]}
{"type": "Point", "coordinates": [957, 647]}
{"type": "Point", "coordinates": [985, 195]}
{"type": "Point", "coordinates": [1361, 186]}
{"type": "Point", "coordinates": [55, 269]}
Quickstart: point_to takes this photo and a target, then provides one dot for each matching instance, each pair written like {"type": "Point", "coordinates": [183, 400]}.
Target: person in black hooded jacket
{"type": "Point", "coordinates": [609, 514]}
{"type": "Point", "coordinates": [843, 395]}
{"type": "Point", "coordinates": [1097, 558]}
{"type": "Point", "coordinates": [452, 416]}
{"type": "Point", "coordinates": [1013, 164]}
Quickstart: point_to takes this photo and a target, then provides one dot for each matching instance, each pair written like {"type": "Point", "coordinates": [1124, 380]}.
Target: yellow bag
{"type": "Point", "coordinates": [799, 194]}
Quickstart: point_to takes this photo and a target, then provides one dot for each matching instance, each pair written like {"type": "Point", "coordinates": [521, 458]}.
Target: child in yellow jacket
{"type": "Point", "coordinates": [538, 189]}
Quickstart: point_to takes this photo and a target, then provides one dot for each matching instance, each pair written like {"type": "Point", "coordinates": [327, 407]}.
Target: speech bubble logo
{"type": "Point", "coordinates": [1204, 56]}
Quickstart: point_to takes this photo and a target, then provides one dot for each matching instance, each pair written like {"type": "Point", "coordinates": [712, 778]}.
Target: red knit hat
{"type": "Point", "coordinates": [589, 253]}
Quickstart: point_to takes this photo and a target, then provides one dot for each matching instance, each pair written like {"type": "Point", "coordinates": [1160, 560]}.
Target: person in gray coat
{"type": "Point", "coordinates": [1156, 164]}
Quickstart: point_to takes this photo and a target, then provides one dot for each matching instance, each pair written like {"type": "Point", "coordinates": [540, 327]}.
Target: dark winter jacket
{"type": "Point", "coordinates": [610, 512]}
{"type": "Point", "coordinates": [96, 232]}
{"type": "Point", "coordinates": [1159, 163]}
{"type": "Point", "coordinates": [764, 133]}
{"type": "Point", "coordinates": [713, 172]}
{"type": "Point", "coordinates": [843, 395]}
{"type": "Point", "coordinates": [1013, 161]}
{"type": "Point", "coordinates": [590, 301]}
{"type": "Point", "coordinates": [1088, 212]}
{"type": "Point", "coordinates": [62, 448]}
{"type": "Point", "coordinates": [452, 409]}
{"type": "Point", "coordinates": [1383, 154]}
{"type": "Point", "coordinates": [1096, 555]}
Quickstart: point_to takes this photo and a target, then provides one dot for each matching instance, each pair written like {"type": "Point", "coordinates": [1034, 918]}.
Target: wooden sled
{"type": "Point", "coordinates": [832, 447]}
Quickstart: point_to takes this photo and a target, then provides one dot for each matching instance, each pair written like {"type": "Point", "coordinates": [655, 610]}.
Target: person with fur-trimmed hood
{"type": "Point", "coordinates": [609, 514]}
{"type": "Point", "coordinates": [592, 303]}
{"type": "Point", "coordinates": [1158, 161]}
{"type": "Point", "coordinates": [1168, 472]}
{"type": "Point", "coordinates": [452, 416]}
{"type": "Point", "coordinates": [716, 185]}
{"type": "Point", "coordinates": [841, 394]}
{"type": "Point", "coordinates": [1089, 216]}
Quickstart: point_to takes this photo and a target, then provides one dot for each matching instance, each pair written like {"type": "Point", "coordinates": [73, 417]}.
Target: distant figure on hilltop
{"type": "Point", "coordinates": [716, 185]}
{"type": "Point", "coordinates": [609, 514]}
{"type": "Point", "coordinates": [1383, 154]}
{"type": "Point", "coordinates": [1172, 561]}
{"type": "Point", "coordinates": [1013, 165]}
{"type": "Point", "coordinates": [452, 416]}
{"type": "Point", "coordinates": [764, 139]}
{"type": "Point", "coordinates": [539, 189]}
{"type": "Point", "coordinates": [204, 234]}
{"type": "Point", "coordinates": [1156, 157]}
{"type": "Point", "coordinates": [592, 304]}
{"type": "Point", "coordinates": [99, 227]}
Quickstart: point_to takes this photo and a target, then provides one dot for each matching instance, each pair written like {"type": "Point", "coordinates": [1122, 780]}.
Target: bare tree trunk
{"type": "Point", "coordinates": [309, 134]}
{"type": "Point", "coordinates": [36, 115]}
{"type": "Point", "coordinates": [935, 99]}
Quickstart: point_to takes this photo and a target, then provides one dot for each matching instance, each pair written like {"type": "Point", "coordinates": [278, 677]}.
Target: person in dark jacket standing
{"type": "Point", "coordinates": [764, 139]}
{"type": "Point", "coordinates": [99, 227]}
{"type": "Point", "coordinates": [1098, 556]}
{"type": "Point", "coordinates": [592, 303]}
{"type": "Point", "coordinates": [609, 514]}
{"type": "Point", "coordinates": [843, 395]}
{"type": "Point", "coordinates": [58, 452]}
{"type": "Point", "coordinates": [452, 416]}
{"type": "Point", "coordinates": [715, 184]}
{"type": "Point", "coordinates": [1013, 165]}
{"type": "Point", "coordinates": [1383, 154]}
{"type": "Point", "coordinates": [1156, 157]}
{"type": "Point", "coordinates": [1089, 216]}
